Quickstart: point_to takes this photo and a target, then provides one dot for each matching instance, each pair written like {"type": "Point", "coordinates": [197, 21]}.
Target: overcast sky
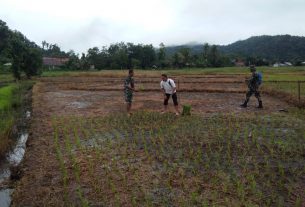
{"type": "Point", "coordinates": [79, 25]}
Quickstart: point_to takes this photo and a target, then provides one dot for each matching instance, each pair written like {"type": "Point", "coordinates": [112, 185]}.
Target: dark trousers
{"type": "Point", "coordinates": [174, 97]}
{"type": "Point", "coordinates": [256, 94]}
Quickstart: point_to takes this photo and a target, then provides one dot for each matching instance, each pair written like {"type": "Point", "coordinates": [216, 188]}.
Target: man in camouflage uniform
{"type": "Point", "coordinates": [128, 90]}
{"type": "Point", "coordinates": [253, 88]}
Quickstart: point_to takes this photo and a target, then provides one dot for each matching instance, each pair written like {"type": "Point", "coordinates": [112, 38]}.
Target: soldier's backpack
{"type": "Point", "coordinates": [260, 78]}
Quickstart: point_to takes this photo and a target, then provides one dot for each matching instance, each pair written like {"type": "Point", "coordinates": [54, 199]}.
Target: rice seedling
{"type": "Point", "coordinates": [61, 161]}
{"type": "Point", "coordinates": [242, 160]}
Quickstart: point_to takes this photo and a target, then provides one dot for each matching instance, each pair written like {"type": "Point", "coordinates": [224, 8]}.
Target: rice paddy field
{"type": "Point", "coordinates": [83, 150]}
{"type": "Point", "coordinates": [223, 160]}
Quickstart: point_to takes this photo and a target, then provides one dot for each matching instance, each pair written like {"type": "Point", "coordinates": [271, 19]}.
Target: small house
{"type": "Point", "coordinates": [285, 64]}
{"type": "Point", "coordinates": [52, 62]}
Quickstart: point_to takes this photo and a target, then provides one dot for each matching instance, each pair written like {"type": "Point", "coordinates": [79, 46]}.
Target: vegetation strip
{"type": "Point", "coordinates": [11, 100]}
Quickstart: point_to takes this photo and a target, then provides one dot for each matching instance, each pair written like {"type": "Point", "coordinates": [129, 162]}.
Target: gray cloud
{"type": "Point", "coordinates": [100, 22]}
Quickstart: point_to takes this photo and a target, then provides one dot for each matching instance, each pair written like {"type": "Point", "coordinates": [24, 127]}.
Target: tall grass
{"type": "Point", "coordinates": [11, 101]}
{"type": "Point", "coordinates": [6, 125]}
{"type": "Point", "coordinates": [6, 95]}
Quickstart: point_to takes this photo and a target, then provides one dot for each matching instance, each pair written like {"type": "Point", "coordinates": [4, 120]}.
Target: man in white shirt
{"type": "Point", "coordinates": [168, 88]}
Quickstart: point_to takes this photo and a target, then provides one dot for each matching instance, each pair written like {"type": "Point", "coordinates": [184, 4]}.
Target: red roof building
{"type": "Point", "coordinates": [50, 61]}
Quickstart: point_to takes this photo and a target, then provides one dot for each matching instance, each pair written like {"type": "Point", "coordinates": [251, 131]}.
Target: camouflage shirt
{"type": "Point", "coordinates": [129, 82]}
{"type": "Point", "coordinates": [253, 82]}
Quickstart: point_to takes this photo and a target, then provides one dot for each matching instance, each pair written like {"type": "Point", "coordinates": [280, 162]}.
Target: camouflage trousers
{"type": "Point", "coordinates": [128, 96]}
{"type": "Point", "coordinates": [254, 91]}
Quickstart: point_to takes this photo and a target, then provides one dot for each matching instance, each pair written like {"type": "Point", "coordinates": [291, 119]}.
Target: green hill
{"type": "Point", "coordinates": [273, 48]}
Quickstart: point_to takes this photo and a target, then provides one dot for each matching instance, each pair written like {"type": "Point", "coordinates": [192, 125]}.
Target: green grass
{"type": "Point", "coordinates": [6, 96]}
{"type": "Point", "coordinates": [6, 123]}
{"type": "Point", "coordinates": [288, 87]}
{"type": "Point", "coordinates": [7, 118]}
{"type": "Point", "coordinates": [60, 73]}
{"type": "Point", "coordinates": [11, 100]}
{"type": "Point", "coordinates": [270, 73]}
{"type": "Point", "coordinates": [6, 77]}
{"type": "Point", "coordinates": [224, 160]}
{"type": "Point", "coordinates": [11, 96]}
{"type": "Point", "coordinates": [293, 76]}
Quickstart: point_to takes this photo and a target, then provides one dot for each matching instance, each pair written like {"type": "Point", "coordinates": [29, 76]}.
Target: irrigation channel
{"type": "Point", "coordinates": [12, 161]}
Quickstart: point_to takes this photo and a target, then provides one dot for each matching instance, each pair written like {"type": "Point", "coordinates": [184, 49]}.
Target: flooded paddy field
{"type": "Point", "coordinates": [83, 150]}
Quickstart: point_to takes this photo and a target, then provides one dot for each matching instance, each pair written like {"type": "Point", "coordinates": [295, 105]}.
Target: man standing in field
{"type": "Point", "coordinates": [168, 88]}
{"type": "Point", "coordinates": [129, 88]}
{"type": "Point", "coordinates": [253, 87]}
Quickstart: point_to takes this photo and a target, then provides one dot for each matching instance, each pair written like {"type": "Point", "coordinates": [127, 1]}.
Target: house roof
{"type": "Point", "coordinates": [51, 61]}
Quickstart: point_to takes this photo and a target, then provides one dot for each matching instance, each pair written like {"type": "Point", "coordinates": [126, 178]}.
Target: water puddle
{"type": "Point", "coordinates": [13, 159]}
{"type": "Point", "coordinates": [79, 105]}
{"type": "Point", "coordinates": [5, 197]}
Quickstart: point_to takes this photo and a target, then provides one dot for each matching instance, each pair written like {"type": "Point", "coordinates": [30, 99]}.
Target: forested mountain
{"type": "Point", "coordinates": [194, 49]}
{"type": "Point", "coordinates": [272, 48]}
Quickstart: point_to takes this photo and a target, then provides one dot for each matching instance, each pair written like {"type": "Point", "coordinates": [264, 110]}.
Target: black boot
{"type": "Point", "coordinates": [244, 105]}
{"type": "Point", "coordinates": [260, 105]}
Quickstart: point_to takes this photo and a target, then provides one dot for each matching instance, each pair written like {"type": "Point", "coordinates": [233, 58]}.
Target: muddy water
{"type": "Point", "coordinates": [13, 159]}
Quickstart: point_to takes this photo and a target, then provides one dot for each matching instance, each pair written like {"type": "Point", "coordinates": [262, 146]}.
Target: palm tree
{"type": "Point", "coordinates": [44, 43]}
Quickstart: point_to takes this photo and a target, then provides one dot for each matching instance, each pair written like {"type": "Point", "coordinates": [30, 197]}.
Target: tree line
{"type": "Point", "coordinates": [25, 55]}
{"type": "Point", "coordinates": [145, 56]}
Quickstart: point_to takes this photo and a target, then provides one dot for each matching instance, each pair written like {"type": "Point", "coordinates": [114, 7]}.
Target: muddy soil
{"type": "Point", "coordinates": [42, 180]}
{"type": "Point", "coordinates": [100, 103]}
